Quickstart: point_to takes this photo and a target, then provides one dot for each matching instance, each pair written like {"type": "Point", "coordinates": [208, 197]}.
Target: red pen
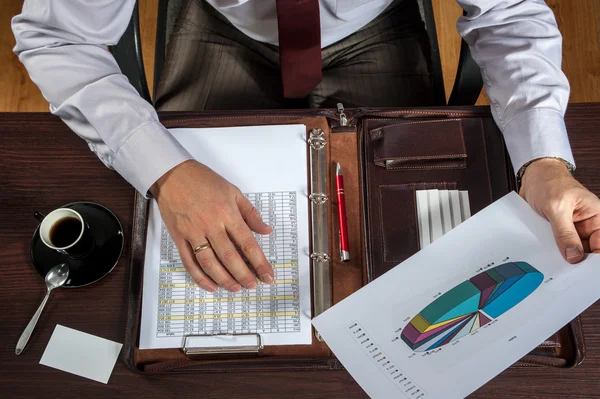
{"type": "Point", "coordinates": [339, 186]}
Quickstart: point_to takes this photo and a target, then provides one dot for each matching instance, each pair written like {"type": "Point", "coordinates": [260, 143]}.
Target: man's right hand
{"type": "Point", "coordinates": [200, 207]}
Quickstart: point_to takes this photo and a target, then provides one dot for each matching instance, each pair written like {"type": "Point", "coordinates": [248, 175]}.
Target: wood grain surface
{"type": "Point", "coordinates": [44, 165]}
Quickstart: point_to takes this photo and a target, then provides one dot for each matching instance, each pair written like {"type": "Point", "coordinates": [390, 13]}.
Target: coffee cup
{"type": "Point", "coordinates": [65, 231]}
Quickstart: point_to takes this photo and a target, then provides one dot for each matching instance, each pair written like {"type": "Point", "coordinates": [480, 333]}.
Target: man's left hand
{"type": "Point", "coordinates": [572, 210]}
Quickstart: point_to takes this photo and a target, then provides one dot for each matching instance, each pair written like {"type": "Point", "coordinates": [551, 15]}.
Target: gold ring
{"type": "Point", "coordinates": [201, 248]}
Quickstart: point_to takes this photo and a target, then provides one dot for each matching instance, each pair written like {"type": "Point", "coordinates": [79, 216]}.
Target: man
{"type": "Point", "coordinates": [225, 55]}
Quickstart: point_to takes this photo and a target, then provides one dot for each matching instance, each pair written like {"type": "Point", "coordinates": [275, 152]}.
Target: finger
{"type": "Point", "coordinates": [566, 235]}
{"type": "Point", "coordinates": [232, 260]}
{"type": "Point", "coordinates": [193, 268]}
{"type": "Point", "coordinates": [242, 235]}
{"type": "Point", "coordinates": [586, 227]}
{"type": "Point", "coordinates": [213, 268]}
{"type": "Point", "coordinates": [595, 242]}
{"type": "Point", "coordinates": [251, 215]}
{"type": "Point", "coordinates": [586, 246]}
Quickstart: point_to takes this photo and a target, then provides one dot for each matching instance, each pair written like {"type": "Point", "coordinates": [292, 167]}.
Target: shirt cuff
{"type": "Point", "coordinates": [148, 153]}
{"type": "Point", "coordinates": [537, 133]}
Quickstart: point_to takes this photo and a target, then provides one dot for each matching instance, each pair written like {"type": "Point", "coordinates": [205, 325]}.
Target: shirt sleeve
{"type": "Point", "coordinates": [518, 47]}
{"type": "Point", "coordinates": [64, 47]}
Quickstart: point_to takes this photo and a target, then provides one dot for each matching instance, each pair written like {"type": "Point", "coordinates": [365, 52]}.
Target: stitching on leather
{"type": "Point", "coordinates": [368, 166]}
{"type": "Point", "coordinates": [444, 183]}
{"type": "Point", "coordinates": [381, 226]}
{"type": "Point", "coordinates": [455, 166]}
{"type": "Point", "coordinates": [487, 166]}
{"type": "Point", "coordinates": [556, 340]}
{"type": "Point", "coordinates": [441, 114]}
{"type": "Point", "coordinates": [422, 157]}
{"type": "Point", "coordinates": [186, 369]}
{"type": "Point", "coordinates": [190, 362]}
{"type": "Point", "coordinates": [535, 362]}
{"type": "Point", "coordinates": [414, 123]}
{"type": "Point", "coordinates": [462, 136]}
{"type": "Point", "coordinates": [183, 367]}
{"type": "Point", "coordinates": [368, 200]}
{"type": "Point", "coordinates": [554, 344]}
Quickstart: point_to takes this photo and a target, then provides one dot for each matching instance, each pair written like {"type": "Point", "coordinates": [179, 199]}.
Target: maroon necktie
{"type": "Point", "coordinates": [299, 27]}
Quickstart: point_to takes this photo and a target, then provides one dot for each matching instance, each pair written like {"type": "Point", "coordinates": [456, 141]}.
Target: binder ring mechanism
{"type": "Point", "coordinates": [317, 139]}
{"type": "Point", "coordinates": [318, 198]}
{"type": "Point", "coordinates": [320, 256]}
{"type": "Point", "coordinates": [222, 343]}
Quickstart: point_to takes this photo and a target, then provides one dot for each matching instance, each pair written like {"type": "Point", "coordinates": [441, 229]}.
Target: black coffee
{"type": "Point", "coordinates": [65, 232]}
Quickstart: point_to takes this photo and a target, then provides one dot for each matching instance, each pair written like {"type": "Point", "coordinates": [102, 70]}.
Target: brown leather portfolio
{"type": "Point", "coordinates": [386, 154]}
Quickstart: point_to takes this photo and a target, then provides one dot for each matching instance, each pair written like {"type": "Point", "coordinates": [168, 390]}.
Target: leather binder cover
{"type": "Point", "coordinates": [462, 149]}
{"type": "Point", "coordinates": [289, 357]}
{"type": "Point", "coordinates": [385, 154]}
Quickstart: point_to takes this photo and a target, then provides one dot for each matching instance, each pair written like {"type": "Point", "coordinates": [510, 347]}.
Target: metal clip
{"type": "Point", "coordinates": [317, 139]}
{"type": "Point", "coordinates": [246, 343]}
{"type": "Point", "coordinates": [318, 198]}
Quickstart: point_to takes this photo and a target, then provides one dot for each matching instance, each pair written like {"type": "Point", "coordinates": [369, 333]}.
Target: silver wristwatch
{"type": "Point", "coordinates": [521, 171]}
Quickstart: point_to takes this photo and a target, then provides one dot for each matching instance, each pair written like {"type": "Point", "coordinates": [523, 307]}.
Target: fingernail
{"type": "Point", "coordinates": [266, 278]}
{"type": "Point", "coordinates": [573, 252]}
{"type": "Point", "coordinates": [251, 285]}
{"type": "Point", "coordinates": [211, 288]}
{"type": "Point", "coordinates": [235, 288]}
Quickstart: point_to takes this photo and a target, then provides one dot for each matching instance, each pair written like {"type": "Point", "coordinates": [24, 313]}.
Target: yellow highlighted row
{"type": "Point", "coordinates": [193, 285]}
{"type": "Point", "coordinates": [225, 300]}
{"type": "Point", "coordinates": [229, 316]}
{"type": "Point", "coordinates": [182, 269]}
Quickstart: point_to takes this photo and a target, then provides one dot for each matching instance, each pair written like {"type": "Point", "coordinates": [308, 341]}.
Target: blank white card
{"type": "Point", "coordinates": [80, 353]}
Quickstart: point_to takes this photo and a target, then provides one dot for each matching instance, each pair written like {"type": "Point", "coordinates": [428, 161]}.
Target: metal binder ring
{"type": "Point", "coordinates": [317, 139]}
{"type": "Point", "coordinates": [320, 256]}
{"type": "Point", "coordinates": [318, 198]}
{"type": "Point", "coordinates": [201, 247]}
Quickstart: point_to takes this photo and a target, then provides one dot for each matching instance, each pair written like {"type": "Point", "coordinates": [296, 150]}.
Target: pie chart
{"type": "Point", "coordinates": [471, 305]}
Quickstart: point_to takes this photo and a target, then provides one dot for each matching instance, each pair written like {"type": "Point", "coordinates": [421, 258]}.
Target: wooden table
{"type": "Point", "coordinates": [44, 165]}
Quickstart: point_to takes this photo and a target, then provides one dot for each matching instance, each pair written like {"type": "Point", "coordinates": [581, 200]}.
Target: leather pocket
{"type": "Point", "coordinates": [398, 219]}
{"type": "Point", "coordinates": [431, 144]}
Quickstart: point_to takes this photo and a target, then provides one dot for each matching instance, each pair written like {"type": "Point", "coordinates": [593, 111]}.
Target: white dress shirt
{"type": "Point", "coordinates": [63, 45]}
